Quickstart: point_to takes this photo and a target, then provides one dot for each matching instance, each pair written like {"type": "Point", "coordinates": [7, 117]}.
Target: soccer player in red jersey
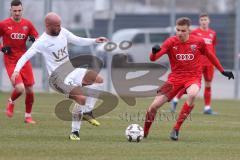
{"type": "Point", "coordinates": [184, 51]}
{"type": "Point", "coordinates": [209, 37]}
{"type": "Point", "coordinates": [15, 31]}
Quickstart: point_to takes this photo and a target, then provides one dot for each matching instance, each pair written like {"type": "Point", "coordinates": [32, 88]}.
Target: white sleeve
{"type": "Point", "coordinates": [79, 41]}
{"type": "Point", "coordinates": [25, 57]}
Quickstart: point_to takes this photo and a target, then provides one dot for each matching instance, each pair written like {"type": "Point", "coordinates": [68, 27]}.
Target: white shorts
{"type": "Point", "coordinates": [65, 82]}
{"type": "Point", "coordinates": [75, 78]}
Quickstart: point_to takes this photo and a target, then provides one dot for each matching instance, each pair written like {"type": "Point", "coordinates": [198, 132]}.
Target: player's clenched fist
{"type": "Point", "coordinates": [156, 48]}
{"type": "Point", "coordinates": [31, 38]}
{"type": "Point", "coordinates": [6, 50]}
{"type": "Point", "coordinates": [228, 74]}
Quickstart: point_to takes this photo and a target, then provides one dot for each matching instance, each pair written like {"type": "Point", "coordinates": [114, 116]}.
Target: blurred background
{"type": "Point", "coordinates": [143, 22]}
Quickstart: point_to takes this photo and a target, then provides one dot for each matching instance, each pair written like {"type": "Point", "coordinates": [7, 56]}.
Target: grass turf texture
{"type": "Point", "coordinates": [202, 137]}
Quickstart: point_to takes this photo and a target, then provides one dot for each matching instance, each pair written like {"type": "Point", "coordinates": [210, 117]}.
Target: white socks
{"type": "Point", "coordinates": [207, 108]}
{"type": "Point", "coordinates": [175, 99]}
{"type": "Point", "coordinates": [89, 106]}
{"type": "Point", "coordinates": [76, 117]}
{"type": "Point", "coordinates": [28, 115]}
{"type": "Point", "coordinates": [91, 101]}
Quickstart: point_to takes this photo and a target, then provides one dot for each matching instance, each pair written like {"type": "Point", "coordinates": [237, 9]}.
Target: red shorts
{"type": "Point", "coordinates": [171, 89]}
{"type": "Point", "coordinates": [25, 76]}
{"type": "Point", "coordinates": [208, 72]}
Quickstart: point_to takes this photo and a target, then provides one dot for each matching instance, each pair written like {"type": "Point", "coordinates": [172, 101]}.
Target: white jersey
{"type": "Point", "coordinates": [53, 48]}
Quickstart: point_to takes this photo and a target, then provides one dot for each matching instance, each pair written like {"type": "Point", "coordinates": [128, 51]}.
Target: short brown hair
{"type": "Point", "coordinates": [203, 15]}
{"type": "Point", "coordinates": [16, 3]}
{"type": "Point", "coordinates": [182, 21]}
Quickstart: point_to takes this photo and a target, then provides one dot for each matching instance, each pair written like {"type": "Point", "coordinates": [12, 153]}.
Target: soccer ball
{"type": "Point", "coordinates": [134, 133]}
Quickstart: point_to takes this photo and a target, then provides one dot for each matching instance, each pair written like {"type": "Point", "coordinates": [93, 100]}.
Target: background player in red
{"type": "Point", "coordinates": [184, 52]}
{"type": "Point", "coordinates": [209, 37]}
{"type": "Point", "coordinates": [15, 31]}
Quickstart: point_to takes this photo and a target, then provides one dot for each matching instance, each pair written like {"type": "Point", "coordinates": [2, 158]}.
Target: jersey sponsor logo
{"type": "Point", "coordinates": [207, 40]}
{"type": "Point", "coordinates": [61, 54]}
{"type": "Point", "coordinates": [18, 36]}
{"type": "Point", "coordinates": [184, 57]}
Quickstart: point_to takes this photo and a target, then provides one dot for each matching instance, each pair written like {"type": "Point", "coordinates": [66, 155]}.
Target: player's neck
{"type": "Point", "coordinates": [185, 39]}
{"type": "Point", "coordinates": [48, 33]}
{"type": "Point", "coordinates": [16, 20]}
{"type": "Point", "coordinates": [204, 28]}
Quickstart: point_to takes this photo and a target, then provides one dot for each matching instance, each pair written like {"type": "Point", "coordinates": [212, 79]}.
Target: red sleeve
{"type": "Point", "coordinates": [212, 58]}
{"type": "Point", "coordinates": [164, 49]}
{"type": "Point", "coordinates": [1, 34]}
{"type": "Point", "coordinates": [215, 39]}
{"type": "Point", "coordinates": [214, 43]}
{"type": "Point", "coordinates": [1, 29]}
{"type": "Point", "coordinates": [154, 57]}
{"type": "Point", "coordinates": [33, 32]}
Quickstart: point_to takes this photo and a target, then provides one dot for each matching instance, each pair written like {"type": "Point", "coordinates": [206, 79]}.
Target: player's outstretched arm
{"type": "Point", "coordinates": [79, 41]}
{"type": "Point", "coordinates": [214, 60]}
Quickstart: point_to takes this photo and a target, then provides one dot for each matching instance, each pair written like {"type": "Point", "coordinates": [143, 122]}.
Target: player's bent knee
{"type": "Point", "coordinates": [192, 91]}
{"type": "Point", "coordinates": [20, 88]}
{"type": "Point", "coordinates": [192, 97]}
{"type": "Point", "coordinates": [99, 79]}
{"type": "Point", "coordinates": [29, 89]}
{"type": "Point", "coordinates": [90, 77]}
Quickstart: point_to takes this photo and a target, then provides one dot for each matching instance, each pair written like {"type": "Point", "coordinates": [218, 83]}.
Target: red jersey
{"type": "Point", "coordinates": [185, 57]}
{"type": "Point", "coordinates": [15, 34]}
{"type": "Point", "coordinates": [209, 38]}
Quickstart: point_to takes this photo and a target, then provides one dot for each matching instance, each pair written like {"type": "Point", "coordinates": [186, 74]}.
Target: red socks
{"type": "Point", "coordinates": [29, 102]}
{"type": "Point", "coordinates": [15, 95]}
{"type": "Point", "coordinates": [186, 110]}
{"type": "Point", "coordinates": [150, 115]}
{"type": "Point", "coordinates": [207, 96]}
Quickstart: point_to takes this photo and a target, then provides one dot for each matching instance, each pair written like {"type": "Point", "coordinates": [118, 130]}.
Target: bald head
{"type": "Point", "coordinates": [52, 18]}
{"type": "Point", "coordinates": [53, 24]}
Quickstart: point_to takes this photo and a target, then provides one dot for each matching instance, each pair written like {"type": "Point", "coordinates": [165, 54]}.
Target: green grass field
{"type": "Point", "coordinates": [202, 137]}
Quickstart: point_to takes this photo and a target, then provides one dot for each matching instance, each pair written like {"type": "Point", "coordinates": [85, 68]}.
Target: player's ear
{"type": "Point", "coordinates": [10, 10]}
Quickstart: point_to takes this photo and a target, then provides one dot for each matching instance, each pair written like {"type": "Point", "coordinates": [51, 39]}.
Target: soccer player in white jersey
{"type": "Point", "coordinates": [52, 44]}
